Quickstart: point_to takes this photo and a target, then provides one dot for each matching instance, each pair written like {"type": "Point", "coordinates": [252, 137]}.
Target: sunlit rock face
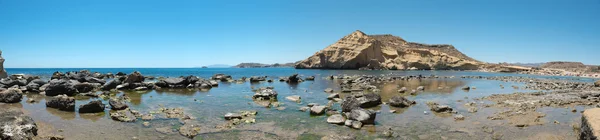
{"type": "Point", "coordinates": [361, 51]}
{"type": "Point", "coordinates": [3, 73]}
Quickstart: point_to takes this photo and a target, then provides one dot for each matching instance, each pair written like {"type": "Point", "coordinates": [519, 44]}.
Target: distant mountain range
{"type": "Point", "coordinates": [260, 65]}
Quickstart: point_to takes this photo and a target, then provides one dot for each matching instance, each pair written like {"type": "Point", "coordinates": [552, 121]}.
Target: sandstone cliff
{"type": "Point", "coordinates": [361, 51]}
{"type": "Point", "coordinates": [3, 73]}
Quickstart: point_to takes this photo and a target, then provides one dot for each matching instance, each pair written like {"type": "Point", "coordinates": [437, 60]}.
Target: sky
{"type": "Point", "coordinates": [192, 33]}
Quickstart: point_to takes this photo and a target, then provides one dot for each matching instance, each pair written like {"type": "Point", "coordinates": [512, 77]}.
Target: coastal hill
{"type": "Point", "coordinates": [361, 51]}
{"type": "Point", "coordinates": [260, 65]}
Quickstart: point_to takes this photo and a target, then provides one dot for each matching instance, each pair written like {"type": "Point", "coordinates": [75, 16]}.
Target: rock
{"type": "Point", "coordinates": [420, 88]}
{"type": "Point", "coordinates": [336, 119]}
{"type": "Point", "coordinates": [112, 84]}
{"type": "Point", "coordinates": [293, 79]}
{"type": "Point", "coordinates": [135, 77]}
{"type": "Point", "coordinates": [304, 109]}
{"type": "Point", "coordinates": [333, 96]}
{"type": "Point", "coordinates": [312, 104]}
{"type": "Point", "coordinates": [363, 115]}
{"type": "Point", "coordinates": [123, 116]}
{"type": "Point", "coordinates": [11, 95]}
{"type": "Point", "coordinates": [369, 100]}
{"type": "Point", "coordinates": [459, 117]}
{"type": "Point", "coordinates": [189, 130]}
{"type": "Point", "coordinates": [466, 88]}
{"type": "Point", "coordinates": [141, 88]}
{"type": "Point", "coordinates": [398, 101]}
{"type": "Point", "coordinates": [14, 125]}
{"type": "Point", "coordinates": [402, 90]}
{"type": "Point", "coordinates": [597, 83]}
{"type": "Point", "coordinates": [3, 73]}
{"type": "Point", "coordinates": [361, 51]}
{"type": "Point", "coordinates": [221, 77]}
{"type": "Point", "coordinates": [62, 102]}
{"type": "Point", "coordinates": [257, 79]}
{"type": "Point", "coordinates": [231, 116]}
{"type": "Point", "coordinates": [318, 110]}
{"type": "Point", "coordinates": [61, 86]}
{"type": "Point", "coordinates": [328, 90]}
{"type": "Point", "coordinates": [92, 107]}
{"type": "Point", "coordinates": [117, 104]}
{"type": "Point", "coordinates": [472, 109]}
{"type": "Point", "coordinates": [357, 124]}
{"type": "Point", "coordinates": [348, 123]}
{"type": "Point", "coordinates": [54, 137]}
{"type": "Point", "coordinates": [350, 103]}
{"type": "Point", "coordinates": [146, 124]}
{"type": "Point", "coordinates": [310, 78]}
{"type": "Point", "coordinates": [266, 94]}
{"type": "Point", "coordinates": [590, 124]}
{"type": "Point", "coordinates": [95, 80]}
{"type": "Point", "coordinates": [440, 108]}
{"type": "Point", "coordinates": [85, 87]}
{"type": "Point", "coordinates": [147, 117]}
{"type": "Point", "coordinates": [293, 98]}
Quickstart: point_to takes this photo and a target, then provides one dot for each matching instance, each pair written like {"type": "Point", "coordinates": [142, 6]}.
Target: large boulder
{"type": "Point", "coordinates": [12, 82]}
{"type": "Point", "coordinates": [362, 115]}
{"type": "Point", "coordinates": [94, 80]}
{"type": "Point", "coordinates": [597, 83]}
{"type": "Point", "coordinates": [318, 110]}
{"type": "Point", "coordinates": [135, 77]}
{"type": "Point", "coordinates": [11, 95]}
{"type": "Point", "coordinates": [294, 79]}
{"type": "Point", "coordinates": [398, 101]}
{"type": "Point", "coordinates": [62, 102]}
{"type": "Point", "coordinates": [34, 85]}
{"type": "Point", "coordinates": [61, 86]}
{"type": "Point", "coordinates": [92, 107]}
{"type": "Point", "coordinates": [336, 119]}
{"type": "Point", "coordinates": [14, 125]}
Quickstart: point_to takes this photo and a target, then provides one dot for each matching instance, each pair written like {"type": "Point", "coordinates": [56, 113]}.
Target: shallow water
{"type": "Point", "coordinates": [211, 105]}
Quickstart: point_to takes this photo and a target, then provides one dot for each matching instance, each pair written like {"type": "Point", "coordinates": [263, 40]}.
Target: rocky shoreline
{"type": "Point", "coordinates": [355, 109]}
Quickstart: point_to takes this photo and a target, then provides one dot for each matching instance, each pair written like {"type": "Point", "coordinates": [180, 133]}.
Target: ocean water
{"type": "Point", "coordinates": [208, 107]}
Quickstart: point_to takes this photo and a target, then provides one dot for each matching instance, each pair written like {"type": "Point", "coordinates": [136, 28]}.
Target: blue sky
{"type": "Point", "coordinates": [189, 33]}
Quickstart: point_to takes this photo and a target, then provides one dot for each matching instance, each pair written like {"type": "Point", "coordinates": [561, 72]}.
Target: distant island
{"type": "Point", "coordinates": [260, 65]}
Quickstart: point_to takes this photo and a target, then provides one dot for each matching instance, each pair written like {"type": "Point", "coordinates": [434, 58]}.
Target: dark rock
{"type": "Point", "coordinates": [398, 101]}
{"type": "Point", "coordinates": [11, 95]}
{"type": "Point", "coordinates": [86, 87]}
{"type": "Point", "coordinates": [135, 77]}
{"type": "Point", "coordinates": [12, 82]}
{"type": "Point", "coordinates": [190, 80]}
{"type": "Point", "coordinates": [257, 78]}
{"type": "Point", "coordinates": [369, 100]}
{"type": "Point", "coordinates": [333, 96]}
{"type": "Point", "coordinates": [117, 104]}
{"type": "Point", "coordinates": [310, 78]}
{"type": "Point", "coordinates": [350, 103]}
{"type": "Point", "coordinates": [294, 79]}
{"type": "Point", "coordinates": [95, 80]}
{"type": "Point", "coordinates": [14, 125]}
{"type": "Point", "coordinates": [92, 107]}
{"type": "Point", "coordinates": [120, 74]}
{"type": "Point", "coordinates": [466, 88]}
{"type": "Point", "coordinates": [112, 84]}
{"type": "Point", "coordinates": [597, 83]}
{"type": "Point", "coordinates": [363, 115]}
{"type": "Point", "coordinates": [62, 102]}
{"type": "Point", "coordinates": [61, 86]}
{"type": "Point", "coordinates": [58, 75]}
{"type": "Point", "coordinates": [221, 77]}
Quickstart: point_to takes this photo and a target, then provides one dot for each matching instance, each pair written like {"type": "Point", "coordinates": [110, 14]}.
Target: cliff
{"type": "Point", "coordinates": [3, 73]}
{"type": "Point", "coordinates": [361, 51]}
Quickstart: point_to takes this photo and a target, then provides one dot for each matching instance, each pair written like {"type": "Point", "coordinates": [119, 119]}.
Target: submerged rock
{"type": "Point", "coordinates": [440, 108]}
{"type": "Point", "coordinates": [62, 102]}
{"type": "Point", "coordinates": [92, 107]}
{"type": "Point", "coordinates": [14, 125]}
{"type": "Point", "coordinates": [398, 101]}
{"type": "Point", "coordinates": [189, 130]}
{"type": "Point", "coordinates": [231, 116]}
{"type": "Point", "coordinates": [293, 98]}
{"type": "Point", "coordinates": [123, 116]}
{"type": "Point", "coordinates": [328, 90]}
{"type": "Point", "coordinates": [11, 95]}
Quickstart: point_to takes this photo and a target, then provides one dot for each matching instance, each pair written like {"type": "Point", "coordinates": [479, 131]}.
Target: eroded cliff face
{"type": "Point", "coordinates": [361, 51]}
{"type": "Point", "coordinates": [3, 73]}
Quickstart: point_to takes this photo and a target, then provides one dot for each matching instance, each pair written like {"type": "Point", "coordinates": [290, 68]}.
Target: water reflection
{"type": "Point", "coordinates": [62, 114]}
{"type": "Point", "coordinates": [136, 96]}
{"type": "Point", "coordinates": [92, 116]}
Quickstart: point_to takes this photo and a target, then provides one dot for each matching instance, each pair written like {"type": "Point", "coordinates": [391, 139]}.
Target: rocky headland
{"type": "Point", "coordinates": [260, 65]}
{"type": "Point", "coordinates": [361, 51]}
